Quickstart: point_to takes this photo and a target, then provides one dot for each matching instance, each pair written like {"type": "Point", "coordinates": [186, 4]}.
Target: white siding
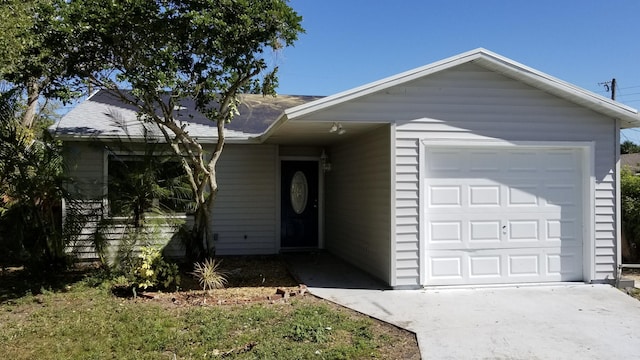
{"type": "Point", "coordinates": [484, 105]}
{"type": "Point", "coordinates": [244, 215]}
{"type": "Point", "coordinates": [470, 102]}
{"type": "Point", "coordinates": [358, 202]}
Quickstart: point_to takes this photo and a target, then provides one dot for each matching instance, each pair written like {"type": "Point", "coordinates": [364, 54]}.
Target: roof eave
{"type": "Point", "coordinates": [140, 139]}
{"type": "Point", "coordinates": [628, 115]}
{"type": "Point", "coordinates": [282, 119]}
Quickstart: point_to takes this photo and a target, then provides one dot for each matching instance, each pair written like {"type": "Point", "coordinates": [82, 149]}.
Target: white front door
{"type": "Point", "coordinates": [502, 215]}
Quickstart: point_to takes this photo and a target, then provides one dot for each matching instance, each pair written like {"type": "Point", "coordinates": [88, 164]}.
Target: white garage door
{"type": "Point", "coordinates": [503, 215]}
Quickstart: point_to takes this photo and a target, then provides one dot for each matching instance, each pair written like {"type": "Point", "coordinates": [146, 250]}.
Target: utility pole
{"type": "Point", "coordinates": [613, 89]}
{"type": "Point", "coordinates": [610, 85]}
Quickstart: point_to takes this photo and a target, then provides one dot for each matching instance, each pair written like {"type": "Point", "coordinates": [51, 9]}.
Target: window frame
{"type": "Point", "coordinates": [108, 154]}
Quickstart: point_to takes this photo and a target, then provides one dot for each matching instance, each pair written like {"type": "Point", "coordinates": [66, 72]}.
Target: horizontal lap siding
{"type": "Point", "coordinates": [407, 206]}
{"type": "Point", "coordinates": [244, 214]}
{"type": "Point", "coordinates": [357, 213]}
{"type": "Point", "coordinates": [160, 235]}
{"type": "Point", "coordinates": [471, 103]}
{"type": "Point", "coordinates": [513, 111]}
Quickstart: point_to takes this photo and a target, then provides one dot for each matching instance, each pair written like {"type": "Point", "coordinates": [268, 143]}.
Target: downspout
{"type": "Point", "coordinates": [618, 274]}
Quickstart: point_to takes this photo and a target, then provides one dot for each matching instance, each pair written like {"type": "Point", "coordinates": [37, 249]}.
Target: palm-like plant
{"type": "Point", "coordinates": [209, 274]}
{"type": "Point", "coordinates": [31, 188]}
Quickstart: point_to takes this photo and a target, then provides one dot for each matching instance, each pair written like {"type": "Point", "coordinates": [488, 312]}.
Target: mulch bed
{"type": "Point", "coordinates": [250, 279]}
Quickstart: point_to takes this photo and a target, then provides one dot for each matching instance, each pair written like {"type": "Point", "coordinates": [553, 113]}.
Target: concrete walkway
{"type": "Point", "coordinates": [531, 322]}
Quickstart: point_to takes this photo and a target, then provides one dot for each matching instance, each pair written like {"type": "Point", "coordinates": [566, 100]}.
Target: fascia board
{"type": "Point", "coordinates": [282, 119]}
{"type": "Point", "coordinates": [535, 77]}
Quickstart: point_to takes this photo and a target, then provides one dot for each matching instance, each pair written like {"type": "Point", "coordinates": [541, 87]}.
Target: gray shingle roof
{"type": "Point", "coordinates": [104, 116]}
{"type": "Point", "coordinates": [632, 161]}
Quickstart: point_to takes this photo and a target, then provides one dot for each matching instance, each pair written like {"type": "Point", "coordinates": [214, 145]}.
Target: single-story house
{"type": "Point", "coordinates": [472, 170]}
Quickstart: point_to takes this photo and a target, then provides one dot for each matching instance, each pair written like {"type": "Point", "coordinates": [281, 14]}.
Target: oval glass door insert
{"type": "Point", "coordinates": [299, 192]}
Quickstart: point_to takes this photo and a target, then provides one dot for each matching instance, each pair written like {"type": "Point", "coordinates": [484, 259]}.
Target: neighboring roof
{"type": "Point", "coordinates": [105, 116]}
{"type": "Point", "coordinates": [628, 116]}
{"type": "Point", "coordinates": [632, 161]}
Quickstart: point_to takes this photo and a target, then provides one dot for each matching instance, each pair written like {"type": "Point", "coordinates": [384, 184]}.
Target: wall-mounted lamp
{"type": "Point", "coordinates": [324, 162]}
{"type": "Point", "coordinates": [337, 127]}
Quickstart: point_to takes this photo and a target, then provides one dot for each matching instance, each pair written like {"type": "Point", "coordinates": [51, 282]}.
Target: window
{"type": "Point", "coordinates": [144, 184]}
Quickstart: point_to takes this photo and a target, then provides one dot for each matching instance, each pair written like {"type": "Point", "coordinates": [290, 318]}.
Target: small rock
{"type": "Point", "coordinates": [302, 289]}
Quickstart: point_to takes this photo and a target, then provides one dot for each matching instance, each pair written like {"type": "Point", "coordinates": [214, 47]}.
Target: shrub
{"type": "Point", "coordinates": [630, 189]}
{"type": "Point", "coordinates": [31, 191]}
{"type": "Point", "coordinates": [209, 275]}
{"type": "Point", "coordinates": [154, 271]}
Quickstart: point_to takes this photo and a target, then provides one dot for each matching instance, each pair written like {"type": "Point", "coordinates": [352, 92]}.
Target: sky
{"type": "Point", "coordinates": [350, 43]}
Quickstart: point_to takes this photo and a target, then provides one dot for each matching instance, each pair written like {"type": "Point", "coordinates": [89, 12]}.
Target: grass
{"type": "Point", "coordinates": [84, 320]}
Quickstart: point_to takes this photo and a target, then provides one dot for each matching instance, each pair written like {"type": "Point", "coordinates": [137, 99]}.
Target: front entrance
{"type": "Point", "coordinates": [299, 204]}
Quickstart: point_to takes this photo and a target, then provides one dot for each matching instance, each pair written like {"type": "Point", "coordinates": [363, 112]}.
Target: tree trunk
{"type": "Point", "coordinates": [195, 247]}
{"type": "Point", "coordinates": [33, 92]}
{"type": "Point", "coordinates": [201, 242]}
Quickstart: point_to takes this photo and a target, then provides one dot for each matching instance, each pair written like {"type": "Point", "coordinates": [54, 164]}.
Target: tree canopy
{"type": "Point", "coordinates": [629, 147]}
{"type": "Point", "coordinates": [151, 54]}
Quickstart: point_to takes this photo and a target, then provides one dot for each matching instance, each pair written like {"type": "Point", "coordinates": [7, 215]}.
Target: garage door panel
{"type": "Point", "coordinates": [524, 265]}
{"type": "Point", "coordinates": [484, 231]}
{"type": "Point", "coordinates": [484, 195]}
{"type": "Point", "coordinates": [491, 266]}
{"type": "Point", "coordinates": [482, 161]}
{"type": "Point", "coordinates": [523, 231]}
{"type": "Point", "coordinates": [522, 162]}
{"type": "Point", "coordinates": [561, 194]}
{"type": "Point", "coordinates": [446, 267]}
{"type": "Point", "coordinates": [503, 215]}
{"type": "Point", "coordinates": [449, 232]}
{"type": "Point", "coordinates": [566, 265]}
{"type": "Point", "coordinates": [562, 161]}
{"type": "Point", "coordinates": [487, 231]}
{"type": "Point", "coordinates": [443, 162]}
{"type": "Point", "coordinates": [485, 266]}
{"type": "Point", "coordinates": [562, 230]}
{"type": "Point", "coordinates": [522, 195]}
{"type": "Point", "coordinates": [445, 195]}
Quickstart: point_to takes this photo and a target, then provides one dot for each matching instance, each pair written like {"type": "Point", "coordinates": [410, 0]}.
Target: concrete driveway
{"type": "Point", "coordinates": [576, 321]}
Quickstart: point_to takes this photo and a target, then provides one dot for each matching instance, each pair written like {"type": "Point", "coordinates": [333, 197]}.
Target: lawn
{"type": "Point", "coordinates": [77, 316]}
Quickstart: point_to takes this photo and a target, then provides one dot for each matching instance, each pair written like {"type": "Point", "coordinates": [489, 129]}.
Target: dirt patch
{"type": "Point", "coordinates": [633, 274]}
{"type": "Point", "coordinates": [250, 279]}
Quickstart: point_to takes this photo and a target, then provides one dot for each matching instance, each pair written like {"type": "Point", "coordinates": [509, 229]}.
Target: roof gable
{"type": "Point", "coordinates": [493, 62]}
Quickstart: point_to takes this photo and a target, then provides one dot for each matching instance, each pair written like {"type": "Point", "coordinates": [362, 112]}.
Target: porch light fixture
{"type": "Point", "coordinates": [337, 127]}
{"type": "Point", "coordinates": [324, 162]}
